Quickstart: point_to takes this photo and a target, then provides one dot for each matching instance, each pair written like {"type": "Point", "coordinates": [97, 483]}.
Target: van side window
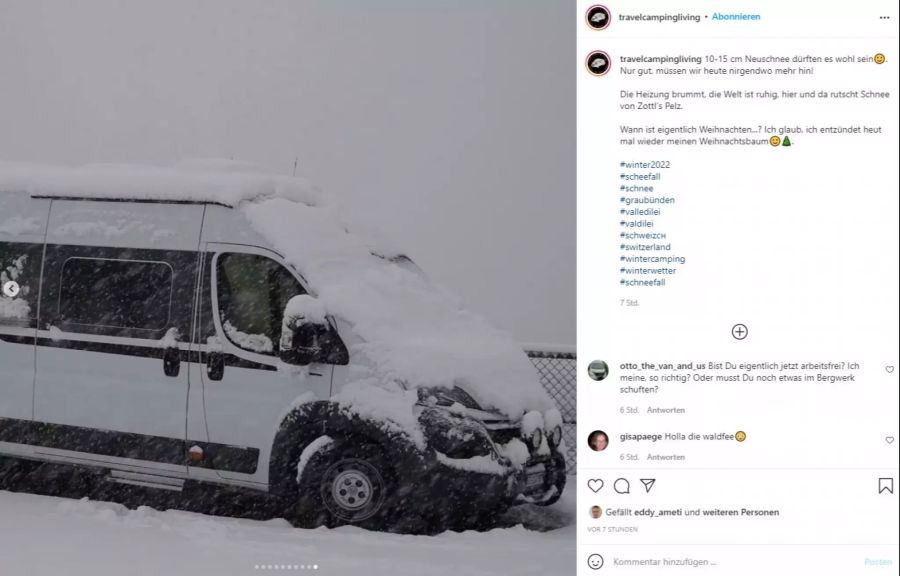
{"type": "Point", "coordinates": [20, 270]}
{"type": "Point", "coordinates": [253, 292]}
{"type": "Point", "coordinates": [116, 293]}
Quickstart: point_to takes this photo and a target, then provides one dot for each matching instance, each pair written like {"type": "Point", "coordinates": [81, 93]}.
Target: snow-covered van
{"type": "Point", "coordinates": [210, 324]}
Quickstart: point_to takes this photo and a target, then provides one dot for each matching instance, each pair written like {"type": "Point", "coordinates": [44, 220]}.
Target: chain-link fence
{"type": "Point", "coordinates": [556, 367]}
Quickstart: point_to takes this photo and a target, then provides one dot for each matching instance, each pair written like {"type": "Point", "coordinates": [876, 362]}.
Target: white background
{"type": "Point", "coordinates": [799, 243]}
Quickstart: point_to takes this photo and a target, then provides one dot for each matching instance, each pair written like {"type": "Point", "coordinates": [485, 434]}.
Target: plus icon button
{"type": "Point", "coordinates": [739, 331]}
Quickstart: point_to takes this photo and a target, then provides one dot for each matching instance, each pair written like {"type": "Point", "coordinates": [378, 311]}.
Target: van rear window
{"type": "Point", "coordinates": [20, 269]}
{"type": "Point", "coordinates": [116, 293]}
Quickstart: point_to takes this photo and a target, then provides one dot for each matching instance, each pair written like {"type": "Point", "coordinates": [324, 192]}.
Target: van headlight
{"type": "Point", "coordinates": [555, 436]}
{"type": "Point", "coordinates": [536, 438]}
{"type": "Point", "coordinates": [455, 436]}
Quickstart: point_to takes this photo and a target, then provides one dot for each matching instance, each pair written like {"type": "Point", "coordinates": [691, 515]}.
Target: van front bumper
{"type": "Point", "coordinates": [541, 481]}
{"type": "Point", "coordinates": [460, 497]}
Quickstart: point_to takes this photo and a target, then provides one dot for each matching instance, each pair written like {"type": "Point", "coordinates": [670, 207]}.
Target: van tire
{"type": "Point", "coordinates": [560, 480]}
{"type": "Point", "coordinates": [347, 485]}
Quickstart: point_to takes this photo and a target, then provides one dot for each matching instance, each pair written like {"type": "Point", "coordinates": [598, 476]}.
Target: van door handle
{"type": "Point", "coordinates": [171, 362]}
{"type": "Point", "coordinates": [215, 365]}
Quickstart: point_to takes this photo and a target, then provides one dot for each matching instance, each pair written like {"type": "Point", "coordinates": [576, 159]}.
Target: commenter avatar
{"type": "Point", "coordinates": [598, 370]}
{"type": "Point", "coordinates": [598, 440]}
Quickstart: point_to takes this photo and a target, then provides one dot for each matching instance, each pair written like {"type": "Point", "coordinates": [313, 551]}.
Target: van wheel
{"type": "Point", "coordinates": [347, 485]}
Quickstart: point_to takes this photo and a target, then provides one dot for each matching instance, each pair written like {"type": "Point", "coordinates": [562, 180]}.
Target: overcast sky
{"type": "Point", "coordinates": [452, 123]}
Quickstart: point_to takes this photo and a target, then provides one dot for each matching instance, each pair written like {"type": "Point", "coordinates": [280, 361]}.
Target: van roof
{"type": "Point", "coordinates": [212, 181]}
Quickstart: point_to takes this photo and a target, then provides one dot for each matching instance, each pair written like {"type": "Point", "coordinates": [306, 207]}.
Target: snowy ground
{"type": "Point", "coordinates": [44, 535]}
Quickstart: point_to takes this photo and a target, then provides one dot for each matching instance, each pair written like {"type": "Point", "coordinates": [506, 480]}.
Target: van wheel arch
{"type": "Point", "coordinates": [308, 422]}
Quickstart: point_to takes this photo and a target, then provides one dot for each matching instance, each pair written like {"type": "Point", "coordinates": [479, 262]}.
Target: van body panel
{"type": "Point", "coordinates": [23, 221]}
{"type": "Point", "coordinates": [246, 405]}
{"type": "Point", "coordinates": [229, 226]}
{"type": "Point", "coordinates": [118, 278]}
{"type": "Point", "coordinates": [76, 458]}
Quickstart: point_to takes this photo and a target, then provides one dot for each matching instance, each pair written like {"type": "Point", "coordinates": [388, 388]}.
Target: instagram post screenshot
{"type": "Point", "coordinates": [287, 287]}
{"type": "Point", "coordinates": [443, 287]}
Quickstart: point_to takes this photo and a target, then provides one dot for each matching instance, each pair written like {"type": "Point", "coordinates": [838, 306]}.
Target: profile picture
{"type": "Point", "coordinates": [598, 17]}
{"type": "Point", "coordinates": [598, 440]}
{"type": "Point", "coordinates": [598, 370]}
{"type": "Point", "coordinates": [597, 63]}
{"type": "Point", "coordinates": [596, 512]}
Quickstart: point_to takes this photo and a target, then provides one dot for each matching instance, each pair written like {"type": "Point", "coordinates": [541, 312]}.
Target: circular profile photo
{"type": "Point", "coordinates": [598, 370]}
{"type": "Point", "coordinates": [598, 440]}
{"type": "Point", "coordinates": [598, 17]}
{"type": "Point", "coordinates": [596, 512]}
{"type": "Point", "coordinates": [597, 63]}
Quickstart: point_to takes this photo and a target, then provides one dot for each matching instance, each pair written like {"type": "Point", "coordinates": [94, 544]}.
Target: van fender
{"type": "Point", "coordinates": [307, 422]}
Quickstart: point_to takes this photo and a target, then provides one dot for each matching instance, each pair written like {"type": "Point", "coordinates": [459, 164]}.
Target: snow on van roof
{"type": "Point", "coordinates": [209, 180]}
{"type": "Point", "coordinates": [414, 331]}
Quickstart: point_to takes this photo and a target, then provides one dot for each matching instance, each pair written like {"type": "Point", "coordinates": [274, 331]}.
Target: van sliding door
{"type": "Point", "coordinates": [114, 331]}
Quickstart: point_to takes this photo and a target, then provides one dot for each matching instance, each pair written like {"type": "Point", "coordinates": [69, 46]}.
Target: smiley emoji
{"type": "Point", "coordinates": [774, 140]}
{"type": "Point", "coordinates": [740, 436]}
{"type": "Point", "coordinates": [595, 561]}
{"type": "Point", "coordinates": [879, 58]}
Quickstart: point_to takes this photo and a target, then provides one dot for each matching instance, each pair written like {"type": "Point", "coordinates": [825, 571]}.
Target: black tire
{"type": "Point", "coordinates": [347, 485]}
{"type": "Point", "coordinates": [553, 499]}
{"type": "Point", "coordinates": [559, 480]}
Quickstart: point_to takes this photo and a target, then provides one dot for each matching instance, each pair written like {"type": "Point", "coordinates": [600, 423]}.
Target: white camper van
{"type": "Point", "coordinates": [211, 324]}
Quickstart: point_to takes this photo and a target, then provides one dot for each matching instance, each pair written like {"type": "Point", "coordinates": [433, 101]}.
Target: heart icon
{"type": "Point", "coordinates": [595, 484]}
{"type": "Point", "coordinates": [890, 369]}
{"type": "Point", "coordinates": [889, 439]}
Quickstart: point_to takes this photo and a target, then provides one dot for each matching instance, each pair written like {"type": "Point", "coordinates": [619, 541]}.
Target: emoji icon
{"type": "Point", "coordinates": [597, 63]}
{"type": "Point", "coordinates": [740, 436]}
{"type": "Point", "coordinates": [786, 141]}
{"type": "Point", "coordinates": [11, 289]}
{"type": "Point", "coordinates": [774, 140]}
{"type": "Point", "coordinates": [879, 58]}
{"type": "Point", "coordinates": [595, 561]}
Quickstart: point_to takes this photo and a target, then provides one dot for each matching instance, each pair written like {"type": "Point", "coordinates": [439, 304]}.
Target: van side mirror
{"type": "Point", "coordinates": [302, 329]}
{"type": "Point", "coordinates": [304, 347]}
